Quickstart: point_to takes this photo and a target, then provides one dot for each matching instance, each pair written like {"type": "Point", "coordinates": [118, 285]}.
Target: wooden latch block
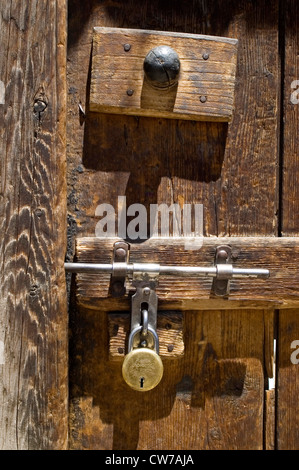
{"type": "Point", "coordinates": [169, 329]}
{"type": "Point", "coordinates": [204, 89]}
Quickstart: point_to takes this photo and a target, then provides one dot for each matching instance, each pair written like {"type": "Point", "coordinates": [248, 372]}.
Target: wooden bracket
{"type": "Point", "coordinates": [205, 87]}
{"type": "Point", "coordinates": [169, 329]}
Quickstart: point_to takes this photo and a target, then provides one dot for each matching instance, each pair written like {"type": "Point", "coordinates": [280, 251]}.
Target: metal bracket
{"type": "Point", "coordinates": [120, 259]}
{"type": "Point", "coordinates": [223, 258]}
{"type": "Point", "coordinates": [145, 299]}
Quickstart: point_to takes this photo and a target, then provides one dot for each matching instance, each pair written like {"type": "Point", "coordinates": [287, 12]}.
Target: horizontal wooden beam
{"type": "Point", "coordinates": [279, 255]}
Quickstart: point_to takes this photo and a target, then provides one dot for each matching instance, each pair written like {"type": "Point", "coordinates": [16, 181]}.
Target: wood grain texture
{"type": "Point", "coordinates": [231, 170]}
{"type": "Point", "coordinates": [287, 433]}
{"type": "Point", "coordinates": [270, 423]}
{"type": "Point", "coordinates": [114, 71]}
{"type": "Point", "coordinates": [288, 324]}
{"type": "Point", "coordinates": [207, 399]}
{"type": "Point", "coordinates": [169, 330]}
{"type": "Point", "coordinates": [276, 254]}
{"type": "Point", "coordinates": [290, 138]}
{"type": "Point", "coordinates": [202, 402]}
{"type": "Point", "coordinates": [33, 315]}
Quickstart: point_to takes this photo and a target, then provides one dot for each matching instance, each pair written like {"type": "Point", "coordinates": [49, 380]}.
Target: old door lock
{"type": "Point", "coordinates": [142, 367]}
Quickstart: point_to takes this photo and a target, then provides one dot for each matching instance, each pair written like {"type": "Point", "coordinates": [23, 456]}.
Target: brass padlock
{"type": "Point", "coordinates": [142, 368]}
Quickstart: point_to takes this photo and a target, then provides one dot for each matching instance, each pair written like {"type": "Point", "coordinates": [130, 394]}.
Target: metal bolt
{"type": "Point", "coordinates": [205, 56]}
{"type": "Point", "coordinates": [170, 347]}
{"type": "Point", "coordinates": [203, 99]}
{"type": "Point", "coordinates": [222, 254]}
{"type": "Point", "coordinates": [130, 92]}
{"type": "Point", "coordinates": [146, 291]}
{"type": "Point", "coordinates": [120, 253]}
{"type": "Point", "coordinates": [39, 106]}
{"type": "Point", "coordinates": [120, 350]}
{"type": "Point", "coordinates": [127, 47]}
{"type": "Point", "coordinates": [38, 212]}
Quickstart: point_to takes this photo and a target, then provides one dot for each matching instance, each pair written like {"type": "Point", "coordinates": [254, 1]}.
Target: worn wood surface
{"type": "Point", "coordinates": [273, 253]}
{"type": "Point", "coordinates": [33, 314]}
{"type": "Point", "coordinates": [288, 325]}
{"type": "Point", "coordinates": [287, 432]}
{"type": "Point", "coordinates": [204, 398]}
{"type": "Point", "coordinates": [202, 401]}
{"type": "Point", "coordinates": [169, 330]}
{"type": "Point", "coordinates": [115, 70]}
{"type": "Point", "coordinates": [231, 170]}
{"type": "Point", "coordinates": [270, 422]}
{"type": "Point", "coordinates": [290, 137]}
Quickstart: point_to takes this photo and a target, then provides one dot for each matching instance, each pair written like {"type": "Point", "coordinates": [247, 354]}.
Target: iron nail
{"type": "Point", "coordinates": [203, 99]}
{"type": "Point", "coordinates": [205, 56]}
{"type": "Point", "coordinates": [127, 47]}
{"type": "Point", "coordinates": [130, 92]}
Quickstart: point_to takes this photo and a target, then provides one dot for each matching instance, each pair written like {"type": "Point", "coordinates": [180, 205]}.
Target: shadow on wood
{"type": "Point", "coordinates": [114, 425]}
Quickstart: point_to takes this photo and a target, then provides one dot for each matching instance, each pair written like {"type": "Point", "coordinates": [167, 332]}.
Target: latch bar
{"type": "Point", "coordinates": [226, 271]}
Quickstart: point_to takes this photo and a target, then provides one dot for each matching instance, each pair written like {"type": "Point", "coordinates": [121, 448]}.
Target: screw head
{"type": "Point", "coordinates": [127, 47]}
{"type": "Point", "coordinates": [120, 253]}
{"type": "Point", "coordinates": [203, 99]}
{"type": "Point", "coordinates": [222, 254]}
{"type": "Point", "coordinates": [130, 92]}
{"type": "Point", "coordinates": [146, 291]}
{"type": "Point", "coordinates": [205, 56]}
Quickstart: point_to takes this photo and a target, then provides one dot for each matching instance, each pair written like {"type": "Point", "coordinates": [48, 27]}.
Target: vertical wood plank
{"type": "Point", "coordinates": [33, 316]}
{"type": "Point", "coordinates": [290, 136]}
{"type": "Point", "coordinates": [270, 422]}
{"type": "Point", "coordinates": [287, 432]}
{"type": "Point", "coordinates": [288, 325]}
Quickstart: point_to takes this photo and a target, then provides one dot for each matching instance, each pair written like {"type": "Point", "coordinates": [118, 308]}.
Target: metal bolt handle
{"type": "Point", "coordinates": [219, 271]}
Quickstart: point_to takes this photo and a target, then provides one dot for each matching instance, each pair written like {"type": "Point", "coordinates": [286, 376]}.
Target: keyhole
{"type": "Point", "coordinates": [141, 382]}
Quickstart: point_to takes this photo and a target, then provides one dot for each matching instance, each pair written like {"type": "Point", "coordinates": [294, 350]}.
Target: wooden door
{"type": "Point", "coordinates": [216, 395]}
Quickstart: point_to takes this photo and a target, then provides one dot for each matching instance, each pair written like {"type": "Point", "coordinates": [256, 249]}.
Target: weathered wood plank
{"type": "Point", "coordinates": [276, 254]}
{"type": "Point", "coordinates": [116, 70]}
{"type": "Point", "coordinates": [290, 157]}
{"type": "Point", "coordinates": [169, 330]}
{"type": "Point", "coordinates": [288, 325]}
{"type": "Point", "coordinates": [269, 420]}
{"type": "Point", "coordinates": [33, 316]}
{"type": "Point", "coordinates": [287, 432]}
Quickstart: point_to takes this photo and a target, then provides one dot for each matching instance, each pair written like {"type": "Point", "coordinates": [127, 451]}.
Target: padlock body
{"type": "Point", "coordinates": [142, 369]}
